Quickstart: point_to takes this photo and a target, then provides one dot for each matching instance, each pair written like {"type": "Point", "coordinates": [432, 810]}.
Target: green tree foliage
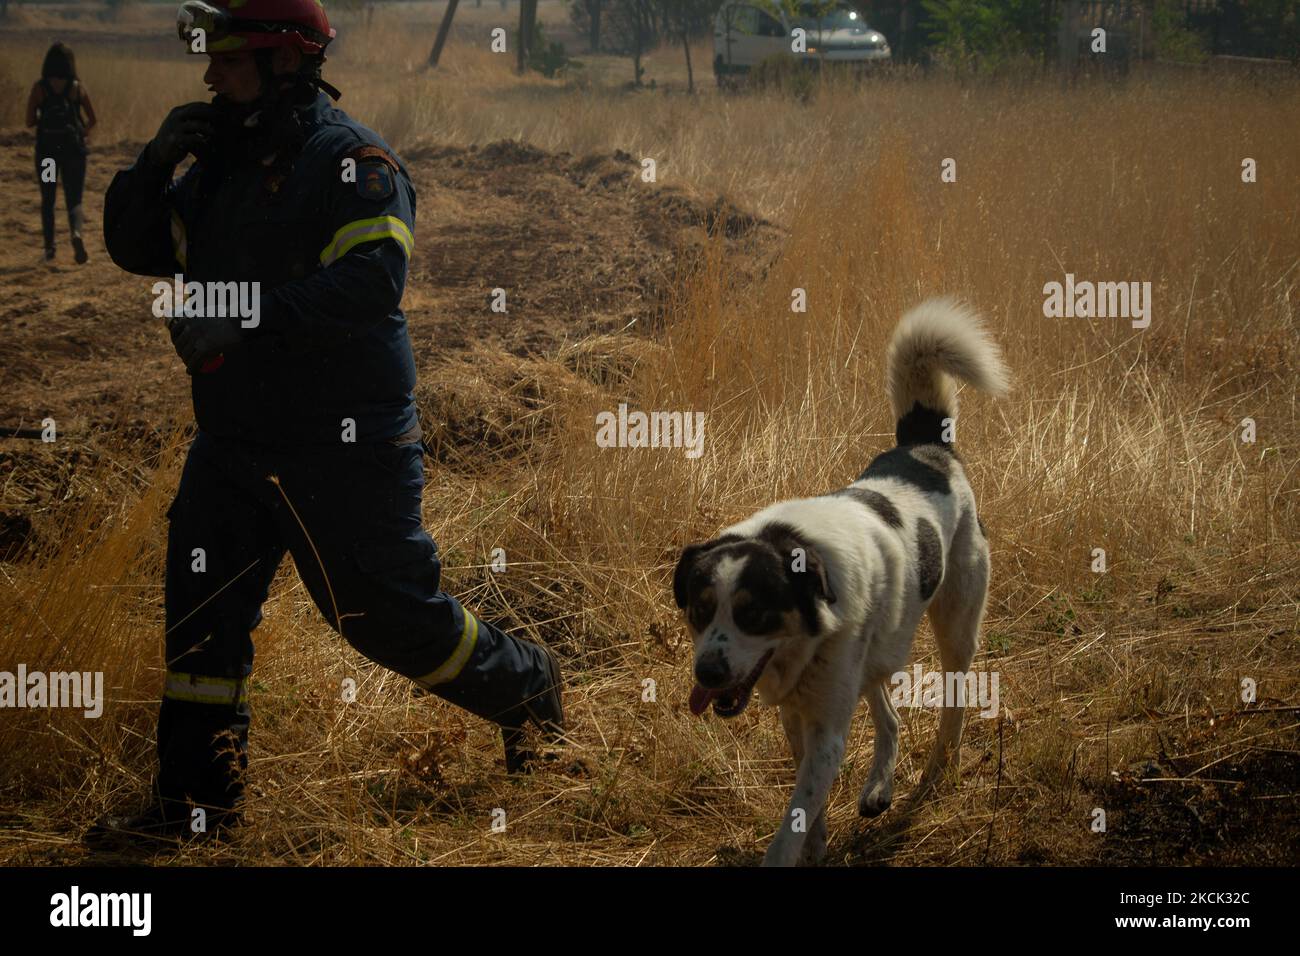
{"type": "Point", "coordinates": [1174, 41]}
{"type": "Point", "coordinates": [1270, 28]}
{"type": "Point", "coordinates": [548, 58]}
{"type": "Point", "coordinates": [978, 32]}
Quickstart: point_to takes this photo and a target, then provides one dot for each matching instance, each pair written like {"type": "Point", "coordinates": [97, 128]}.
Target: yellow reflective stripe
{"type": "Point", "coordinates": [178, 238]}
{"type": "Point", "coordinates": [456, 662]}
{"type": "Point", "coordinates": [367, 230]}
{"type": "Point", "coordinates": [201, 689]}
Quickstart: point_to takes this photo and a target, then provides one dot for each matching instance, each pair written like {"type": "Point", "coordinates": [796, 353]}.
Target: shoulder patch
{"type": "Point", "coordinates": [376, 172]}
{"type": "Point", "coordinates": [374, 180]}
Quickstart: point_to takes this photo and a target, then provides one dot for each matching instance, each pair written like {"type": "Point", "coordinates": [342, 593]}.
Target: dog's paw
{"type": "Point", "coordinates": [813, 852]}
{"type": "Point", "coordinates": [782, 853]}
{"type": "Point", "coordinates": [875, 799]}
{"type": "Point", "coordinates": [814, 845]}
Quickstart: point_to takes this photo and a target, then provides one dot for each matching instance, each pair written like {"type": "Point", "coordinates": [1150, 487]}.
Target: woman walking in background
{"type": "Point", "coordinates": [55, 108]}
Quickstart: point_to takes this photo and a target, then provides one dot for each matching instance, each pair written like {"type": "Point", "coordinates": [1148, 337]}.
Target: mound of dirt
{"type": "Point", "coordinates": [572, 247]}
{"type": "Point", "coordinates": [578, 245]}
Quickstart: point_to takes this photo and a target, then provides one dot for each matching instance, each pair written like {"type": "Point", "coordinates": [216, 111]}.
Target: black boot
{"type": "Point", "coordinates": [160, 822]}
{"type": "Point", "coordinates": [544, 711]}
{"type": "Point", "coordinates": [76, 219]}
{"type": "Point", "coordinates": [511, 682]}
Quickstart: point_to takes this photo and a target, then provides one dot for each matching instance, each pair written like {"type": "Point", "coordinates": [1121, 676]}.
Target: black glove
{"type": "Point", "coordinates": [198, 339]}
{"type": "Point", "coordinates": [185, 129]}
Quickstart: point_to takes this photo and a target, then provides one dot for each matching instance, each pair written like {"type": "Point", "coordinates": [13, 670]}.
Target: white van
{"type": "Point", "coordinates": [745, 32]}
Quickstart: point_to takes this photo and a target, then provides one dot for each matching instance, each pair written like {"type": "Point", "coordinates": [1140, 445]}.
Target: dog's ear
{"type": "Point", "coordinates": [687, 561]}
{"type": "Point", "coordinates": [807, 570]}
{"type": "Point", "coordinates": [817, 575]}
{"type": "Point", "coordinates": [803, 565]}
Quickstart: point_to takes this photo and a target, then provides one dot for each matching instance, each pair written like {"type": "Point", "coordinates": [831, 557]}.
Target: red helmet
{"type": "Point", "coordinates": [229, 26]}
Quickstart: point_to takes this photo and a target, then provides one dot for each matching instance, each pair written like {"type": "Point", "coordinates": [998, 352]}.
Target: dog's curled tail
{"type": "Point", "coordinates": [934, 343]}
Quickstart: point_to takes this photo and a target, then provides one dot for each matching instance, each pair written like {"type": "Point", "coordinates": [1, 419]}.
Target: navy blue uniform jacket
{"type": "Point", "coordinates": [330, 252]}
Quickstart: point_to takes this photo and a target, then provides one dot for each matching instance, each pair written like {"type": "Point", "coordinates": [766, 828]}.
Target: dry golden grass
{"type": "Point", "coordinates": [1115, 438]}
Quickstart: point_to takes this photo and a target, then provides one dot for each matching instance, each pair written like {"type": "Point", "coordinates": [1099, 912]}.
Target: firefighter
{"type": "Point", "coordinates": [55, 107]}
{"type": "Point", "coordinates": [307, 439]}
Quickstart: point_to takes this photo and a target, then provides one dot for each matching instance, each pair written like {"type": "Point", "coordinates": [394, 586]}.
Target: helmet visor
{"type": "Point", "coordinates": [196, 19]}
{"type": "Point", "coordinates": [220, 31]}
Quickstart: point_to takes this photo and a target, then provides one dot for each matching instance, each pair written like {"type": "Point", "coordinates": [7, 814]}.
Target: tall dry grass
{"type": "Point", "coordinates": [1113, 438]}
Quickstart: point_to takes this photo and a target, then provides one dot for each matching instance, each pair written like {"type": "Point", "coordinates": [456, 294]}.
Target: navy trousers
{"type": "Point", "coordinates": [350, 517]}
{"type": "Point", "coordinates": [70, 169]}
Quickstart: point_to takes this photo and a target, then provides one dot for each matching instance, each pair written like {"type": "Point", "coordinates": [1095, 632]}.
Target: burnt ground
{"type": "Point", "coordinates": [581, 245]}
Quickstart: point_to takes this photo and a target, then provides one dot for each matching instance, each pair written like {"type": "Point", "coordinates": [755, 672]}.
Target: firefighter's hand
{"type": "Point", "coordinates": [186, 128]}
{"type": "Point", "coordinates": [198, 339]}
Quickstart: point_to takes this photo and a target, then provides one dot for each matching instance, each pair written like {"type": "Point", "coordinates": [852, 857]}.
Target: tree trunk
{"type": "Point", "coordinates": [690, 73]}
{"type": "Point", "coordinates": [443, 29]}
{"type": "Point", "coordinates": [520, 56]}
{"type": "Point", "coordinates": [637, 31]}
{"type": "Point", "coordinates": [906, 20]}
{"type": "Point", "coordinates": [593, 15]}
{"type": "Point", "coordinates": [527, 17]}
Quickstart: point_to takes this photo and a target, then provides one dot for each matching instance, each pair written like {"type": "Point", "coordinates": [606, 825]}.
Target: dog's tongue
{"type": "Point", "coordinates": [700, 698]}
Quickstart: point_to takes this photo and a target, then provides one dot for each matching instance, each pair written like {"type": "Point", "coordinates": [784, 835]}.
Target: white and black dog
{"type": "Point", "coordinates": [815, 601]}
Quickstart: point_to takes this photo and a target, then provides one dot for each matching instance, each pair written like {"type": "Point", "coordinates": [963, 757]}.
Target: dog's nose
{"type": "Point", "coordinates": [712, 671]}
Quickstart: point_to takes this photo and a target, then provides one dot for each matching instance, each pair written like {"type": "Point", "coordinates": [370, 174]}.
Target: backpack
{"type": "Point", "coordinates": [60, 120]}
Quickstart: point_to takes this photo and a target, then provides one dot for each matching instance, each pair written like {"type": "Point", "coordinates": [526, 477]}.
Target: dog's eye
{"type": "Point", "coordinates": [754, 619]}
